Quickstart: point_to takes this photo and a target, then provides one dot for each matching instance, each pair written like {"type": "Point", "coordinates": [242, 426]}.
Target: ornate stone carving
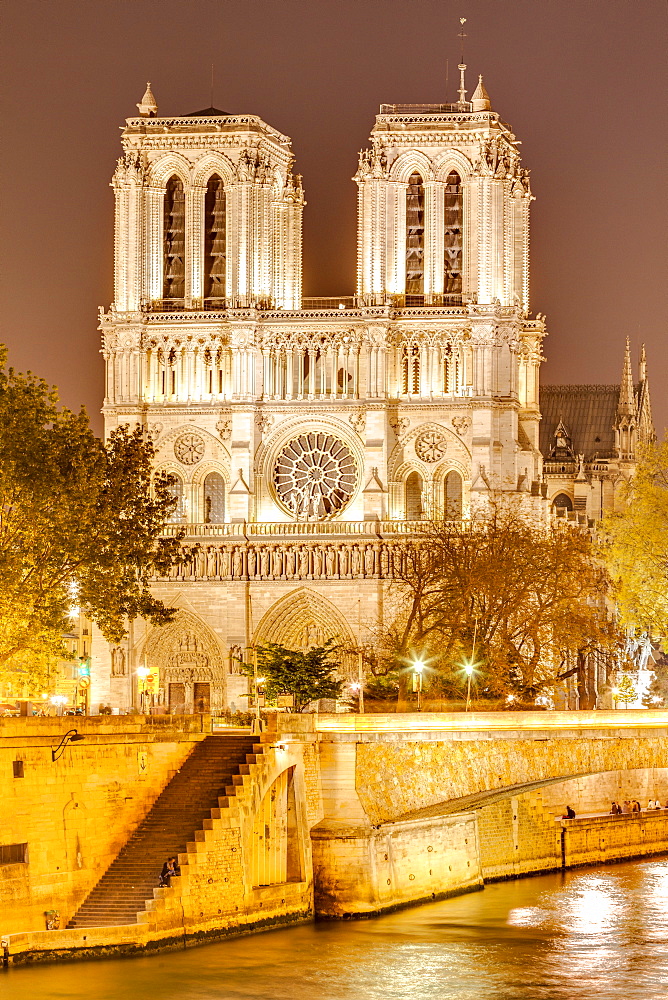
{"type": "Point", "coordinates": [118, 662]}
{"type": "Point", "coordinates": [224, 428]}
{"type": "Point", "coordinates": [430, 446]}
{"type": "Point", "coordinates": [461, 425]}
{"type": "Point", "coordinates": [189, 449]}
{"type": "Point", "coordinates": [264, 422]}
{"type": "Point", "coordinates": [358, 420]}
{"type": "Point", "coordinates": [315, 476]}
{"type": "Point", "coordinates": [399, 425]}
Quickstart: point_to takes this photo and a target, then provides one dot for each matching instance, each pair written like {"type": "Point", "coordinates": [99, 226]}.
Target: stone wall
{"type": "Point", "coordinates": [361, 872]}
{"type": "Point", "coordinates": [77, 812]}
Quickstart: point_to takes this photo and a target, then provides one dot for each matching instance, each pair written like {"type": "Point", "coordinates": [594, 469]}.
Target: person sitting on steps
{"type": "Point", "coordinates": [170, 867]}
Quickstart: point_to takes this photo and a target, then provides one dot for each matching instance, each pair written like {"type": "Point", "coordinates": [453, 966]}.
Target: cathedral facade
{"type": "Point", "coordinates": [305, 436]}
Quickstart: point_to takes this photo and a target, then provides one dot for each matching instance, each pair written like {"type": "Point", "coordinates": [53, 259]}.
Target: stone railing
{"type": "Point", "coordinates": [311, 529]}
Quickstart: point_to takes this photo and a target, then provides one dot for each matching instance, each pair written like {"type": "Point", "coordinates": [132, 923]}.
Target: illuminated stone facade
{"type": "Point", "coordinates": [305, 435]}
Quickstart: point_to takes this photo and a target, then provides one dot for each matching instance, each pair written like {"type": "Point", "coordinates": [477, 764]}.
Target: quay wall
{"type": "Point", "coordinates": [75, 813]}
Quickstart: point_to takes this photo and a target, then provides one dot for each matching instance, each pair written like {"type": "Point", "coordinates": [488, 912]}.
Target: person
{"type": "Point", "coordinates": [626, 808]}
{"type": "Point", "coordinates": [635, 806]}
{"type": "Point", "coordinates": [169, 868]}
{"type": "Point", "coordinates": [614, 808]}
{"type": "Point", "coordinates": [569, 814]}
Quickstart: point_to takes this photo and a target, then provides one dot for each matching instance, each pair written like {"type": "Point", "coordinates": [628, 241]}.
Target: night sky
{"type": "Point", "coordinates": [583, 84]}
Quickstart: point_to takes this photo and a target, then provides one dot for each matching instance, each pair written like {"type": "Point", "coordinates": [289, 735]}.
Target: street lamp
{"type": "Point", "coordinates": [418, 667]}
{"type": "Point", "coordinates": [468, 667]}
{"type": "Point", "coordinates": [72, 736]}
{"type": "Point", "coordinates": [59, 701]}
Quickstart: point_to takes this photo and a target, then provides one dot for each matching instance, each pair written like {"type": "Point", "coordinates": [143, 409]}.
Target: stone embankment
{"type": "Point", "coordinates": [330, 816]}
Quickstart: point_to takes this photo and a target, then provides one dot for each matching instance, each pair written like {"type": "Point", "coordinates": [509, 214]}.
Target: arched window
{"type": "Point", "coordinates": [410, 370]}
{"type": "Point", "coordinates": [214, 498]}
{"type": "Point", "coordinates": [562, 502]}
{"type": "Point", "coordinates": [414, 239]}
{"type": "Point", "coordinates": [453, 497]}
{"type": "Point", "coordinates": [174, 281]}
{"type": "Point", "coordinates": [215, 253]}
{"type": "Point", "coordinates": [414, 505]}
{"type": "Point", "coordinates": [450, 371]}
{"type": "Point", "coordinates": [453, 241]}
{"type": "Point", "coordinates": [177, 490]}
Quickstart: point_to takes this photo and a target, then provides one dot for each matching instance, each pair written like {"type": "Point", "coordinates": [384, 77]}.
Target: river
{"type": "Point", "coordinates": [591, 933]}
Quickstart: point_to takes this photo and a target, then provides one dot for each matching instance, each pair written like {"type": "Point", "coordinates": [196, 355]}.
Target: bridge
{"type": "Point", "coordinates": [346, 815]}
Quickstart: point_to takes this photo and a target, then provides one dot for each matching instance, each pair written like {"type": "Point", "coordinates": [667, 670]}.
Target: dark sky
{"type": "Point", "coordinates": [583, 83]}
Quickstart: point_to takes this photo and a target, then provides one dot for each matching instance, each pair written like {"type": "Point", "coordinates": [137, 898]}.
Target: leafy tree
{"type": "Point", "coordinates": [80, 522]}
{"type": "Point", "coordinates": [529, 597]}
{"type": "Point", "coordinates": [625, 692]}
{"type": "Point", "coordinates": [306, 675]}
{"type": "Point", "coordinates": [635, 545]}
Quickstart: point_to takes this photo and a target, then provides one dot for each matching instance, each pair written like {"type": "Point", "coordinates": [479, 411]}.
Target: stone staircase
{"type": "Point", "coordinates": [205, 781]}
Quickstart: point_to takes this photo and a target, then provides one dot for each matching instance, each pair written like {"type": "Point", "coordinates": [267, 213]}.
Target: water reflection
{"type": "Point", "coordinates": [600, 933]}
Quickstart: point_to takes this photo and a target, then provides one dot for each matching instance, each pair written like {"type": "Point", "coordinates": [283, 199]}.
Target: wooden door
{"type": "Point", "coordinates": [202, 697]}
{"type": "Point", "coordinates": [177, 699]}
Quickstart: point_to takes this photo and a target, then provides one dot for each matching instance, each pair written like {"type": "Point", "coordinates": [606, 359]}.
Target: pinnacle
{"type": "Point", "coordinates": [626, 391]}
{"type": "Point", "coordinates": [480, 99]}
{"type": "Point", "coordinates": [148, 107]}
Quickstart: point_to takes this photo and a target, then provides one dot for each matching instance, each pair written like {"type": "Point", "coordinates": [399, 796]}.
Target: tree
{"type": "Point", "coordinates": [80, 523]}
{"type": "Point", "coordinates": [306, 675]}
{"type": "Point", "coordinates": [634, 545]}
{"type": "Point", "coordinates": [525, 599]}
{"type": "Point", "coordinates": [625, 691]}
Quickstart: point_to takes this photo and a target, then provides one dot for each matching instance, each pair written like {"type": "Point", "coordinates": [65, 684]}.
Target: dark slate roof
{"type": "Point", "coordinates": [589, 413]}
{"type": "Point", "coordinates": [208, 113]}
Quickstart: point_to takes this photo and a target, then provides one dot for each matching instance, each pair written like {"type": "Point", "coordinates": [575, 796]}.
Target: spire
{"type": "Point", "coordinates": [643, 365]}
{"type": "Point", "coordinates": [626, 394]}
{"type": "Point", "coordinates": [462, 64]}
{"type": "Point", "coordinates": [480, 99]}
{"type": "Point", "coordinates": [148, 107]}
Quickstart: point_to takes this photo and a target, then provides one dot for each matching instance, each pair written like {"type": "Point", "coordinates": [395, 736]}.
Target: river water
{"type": "Point", "coordinates": [592, 933]}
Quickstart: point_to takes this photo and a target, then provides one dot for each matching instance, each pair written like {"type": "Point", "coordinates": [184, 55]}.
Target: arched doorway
{"type": "Point", "coordinates": [189, 662]}
{"type": "Point", "coordinates": [304, 619]}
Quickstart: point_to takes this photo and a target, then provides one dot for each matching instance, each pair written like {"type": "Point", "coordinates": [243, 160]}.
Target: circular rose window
{"type": "Point", "coordinates": [315, 476]}
{"type": "Point", "coordinates": [189, 449]}
{"type": "Point", "coordinates": [430, 446]}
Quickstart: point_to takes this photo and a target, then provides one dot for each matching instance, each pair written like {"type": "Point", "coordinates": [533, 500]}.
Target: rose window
{"type": "Point", "coordinates": [315, 476]}
{"type": "Point", "coordinates": [189, 449]}
{"type": "Point", "coordinates": [430, 446]}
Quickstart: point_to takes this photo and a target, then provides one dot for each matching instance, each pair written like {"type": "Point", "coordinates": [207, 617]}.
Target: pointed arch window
{"type": "Point", "coordinates": [174, 228]}
{"type": "Point", "coordinates": [414, 240]}
{"type": "Point", "coordinates": [453, 238]}
{"type": "Point", "coordinates": [177, 490]}
{"type": "Point", "coordinates": [453, 497]}
{"type": "Point", "coordinates": [410, 370]}
{"type": "Point", "coordinates": [215, 244]}
{"type": "Point", "coordinates": [414, 497]}
{"type": "Point", "coordinates": [214, 499]}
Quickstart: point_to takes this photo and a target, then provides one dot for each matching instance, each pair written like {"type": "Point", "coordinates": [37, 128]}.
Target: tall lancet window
{"type": "Point", "coordinates": [414, 237]}
{"type": "Point", "coordinates": [453, 243]}
{"type": "Point", "coordinates": [214, 244]}
{"type": "Point", "coordinates": [175, 243]}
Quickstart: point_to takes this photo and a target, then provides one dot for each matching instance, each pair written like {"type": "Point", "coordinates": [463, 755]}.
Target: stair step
{"type": "Point", "coordinates": [208, 780]}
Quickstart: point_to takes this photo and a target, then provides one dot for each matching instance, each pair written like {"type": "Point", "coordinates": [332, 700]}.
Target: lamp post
{"type": "Point", "coordinates": [418, 667]}
{"type": "Point", "coordinates": [468, 667]}
{"type": "Point", "coordinates": [58, 701]}
{"type": "Point", "coordinates": [256, 725]}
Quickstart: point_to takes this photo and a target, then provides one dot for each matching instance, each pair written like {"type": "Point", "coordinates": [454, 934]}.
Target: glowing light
{"type": "Point", "coordinates": [58, 699]}
{"type": "Point", "coordinates": [143, 672]}
{"type": "Point", "coordinates": [261, 680]}
{"type": "Point", "coordinates": [418, 666]}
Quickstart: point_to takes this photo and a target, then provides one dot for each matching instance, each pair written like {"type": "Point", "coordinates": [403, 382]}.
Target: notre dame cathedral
{"type": "Point", "coordinates": [305, 435]}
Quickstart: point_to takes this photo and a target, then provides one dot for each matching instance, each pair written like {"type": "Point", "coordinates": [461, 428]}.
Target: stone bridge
{"type": "Point", "coordinates": [475, 786]}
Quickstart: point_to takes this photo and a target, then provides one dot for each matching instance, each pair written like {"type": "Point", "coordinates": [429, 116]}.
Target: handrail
{"type": "Point", "coordinates": [264, 529]}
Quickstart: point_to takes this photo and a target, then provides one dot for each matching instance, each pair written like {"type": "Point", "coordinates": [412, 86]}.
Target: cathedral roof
{"type": "Point", "coordinates": [208, 113]}
{"type": "Point", "coordinates": [589, 414]}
